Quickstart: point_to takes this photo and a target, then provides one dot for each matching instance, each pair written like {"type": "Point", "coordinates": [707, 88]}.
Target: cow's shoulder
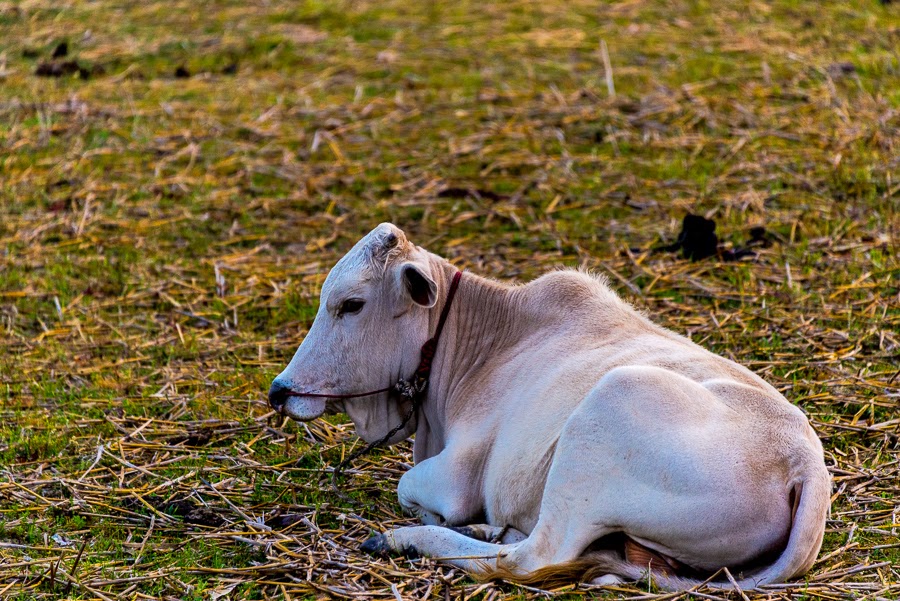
{"type": "Point", "coordinates": [571, 289]}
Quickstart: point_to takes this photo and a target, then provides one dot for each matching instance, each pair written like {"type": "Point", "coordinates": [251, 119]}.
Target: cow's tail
{"type": "Point", "coordinates": [811, 495]}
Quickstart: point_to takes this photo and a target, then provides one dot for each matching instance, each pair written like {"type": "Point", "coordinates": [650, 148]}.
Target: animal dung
{"type": "Point", "coordinates": [55, 68]}
{"type": "Point", "coordinates": [698, 240]}
{"type": "Point", "coordinates": [61, 50]}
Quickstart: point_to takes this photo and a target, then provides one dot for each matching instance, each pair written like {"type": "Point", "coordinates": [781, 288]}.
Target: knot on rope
{"type": "Point", "coordinates": [411, 389]}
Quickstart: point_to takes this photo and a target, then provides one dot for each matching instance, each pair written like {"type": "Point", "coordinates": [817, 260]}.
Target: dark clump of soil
{"type": "Point", "coordinates": [57, 68]}
{"type": "Point", "coordinates": [841, 69]}
{"type": "Point", "coordinates": [698, 240]}
{"type": "Point", "coordinates": [199, 437]}
{"type": "Point", "coordinates": [759, 237]}
{"type": "Point", "coordinates": [186, 509]}
{"type": "Point", "coordinates": [61, 205]}
{"type": "Point", "coordinates": [283, 520]}
{"type": "Point", "coordinates": [204, 516]}
{"type": "Point", "coordinates": [458, 192]}
{"type": "Point", "coordinates": [61, 50]}
{"type": "Point", "coordinates": [182, 73]}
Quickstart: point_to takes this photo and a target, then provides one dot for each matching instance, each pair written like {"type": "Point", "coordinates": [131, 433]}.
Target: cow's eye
{"type": "Point", "coordinates": [350, 306]}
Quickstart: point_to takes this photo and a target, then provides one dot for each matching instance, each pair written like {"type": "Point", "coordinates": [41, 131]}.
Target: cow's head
{"type": "Point", "coordinates": [371, 323]}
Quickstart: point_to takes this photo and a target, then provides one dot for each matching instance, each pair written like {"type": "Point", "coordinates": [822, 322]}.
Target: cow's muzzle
{"type": "Point", "coordinates": [301, 407]}
{"type": "Point", "coordinates": [278, 395]}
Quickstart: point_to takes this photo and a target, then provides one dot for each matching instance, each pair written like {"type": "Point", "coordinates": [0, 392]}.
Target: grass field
{"type": "Point", "coordinates": [171, 200]}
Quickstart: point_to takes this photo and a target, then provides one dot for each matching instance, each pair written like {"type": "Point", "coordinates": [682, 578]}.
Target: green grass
{"type": "Point", "coordinates": [303, 125]}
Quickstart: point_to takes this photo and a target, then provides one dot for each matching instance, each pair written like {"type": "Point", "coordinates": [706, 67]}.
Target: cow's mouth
{"type": "Point", "coordinates": [304, 409]}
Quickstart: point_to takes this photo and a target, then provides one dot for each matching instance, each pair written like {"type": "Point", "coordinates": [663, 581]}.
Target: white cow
{"type": "Point", "coordinates": [591, 442]}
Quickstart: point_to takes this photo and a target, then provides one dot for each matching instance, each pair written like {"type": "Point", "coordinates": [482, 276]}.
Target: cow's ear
{"type": "Point", "coordinates": [419, 284]}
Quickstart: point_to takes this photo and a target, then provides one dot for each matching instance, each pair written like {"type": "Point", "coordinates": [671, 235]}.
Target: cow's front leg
{"type": "Point", "coordinates": [505, 535]}
{"type": "Point", "coordinates": [441, 490]}
{"type": "Point", "coordinates": [443, 544]}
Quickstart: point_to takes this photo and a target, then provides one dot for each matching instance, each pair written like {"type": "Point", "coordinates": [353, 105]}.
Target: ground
{"type": "Point", "coordinates": [177, 180]}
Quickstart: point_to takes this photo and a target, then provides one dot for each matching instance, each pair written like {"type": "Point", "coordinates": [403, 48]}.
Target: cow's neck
{"type": "Point", "coordinates": [481, 323]}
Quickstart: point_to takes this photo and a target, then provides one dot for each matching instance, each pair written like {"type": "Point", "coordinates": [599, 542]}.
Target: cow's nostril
{"type": "Point", "coordinates": [278, 395]}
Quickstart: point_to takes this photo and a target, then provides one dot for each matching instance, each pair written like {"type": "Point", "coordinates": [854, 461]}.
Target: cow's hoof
{"type": "Point", "coordinates": [377, 546]}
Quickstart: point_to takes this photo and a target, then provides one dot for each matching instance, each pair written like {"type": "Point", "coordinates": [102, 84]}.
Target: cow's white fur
{"type": "Point", "coordinates": [559, 411]}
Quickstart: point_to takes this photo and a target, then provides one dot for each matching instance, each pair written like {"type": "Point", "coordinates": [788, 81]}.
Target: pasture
{"type": "Point", "coordinates": [176, 179]}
